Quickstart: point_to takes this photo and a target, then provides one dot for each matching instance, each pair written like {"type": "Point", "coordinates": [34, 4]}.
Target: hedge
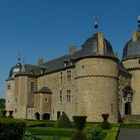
{"type": "Point", "coordinates": [66, 132]}
{"type": "Point", "coordinates": [131, 125]}
{"type": "Point", "coordinates": [11, 129]}
{"type": "Point", "coordinates": [113, 133]}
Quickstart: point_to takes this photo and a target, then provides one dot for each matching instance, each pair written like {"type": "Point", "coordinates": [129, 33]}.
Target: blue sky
{"type": "Point", "coordinates": [47, 28]}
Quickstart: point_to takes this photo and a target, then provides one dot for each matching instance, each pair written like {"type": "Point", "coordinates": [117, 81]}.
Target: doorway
{"type": "Point", "coordinates": [58, 114]}
{"type": "Point", "coordinates": [128, 108]}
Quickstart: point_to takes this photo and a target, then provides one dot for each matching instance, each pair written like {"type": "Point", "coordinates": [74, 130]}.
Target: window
{"type": "Point", "coordinates": [68, 95]}
{"type": "Point", "coordinates": [66, 63]}
{"type": "Point", "coordinates": [139, 61]}
{"type": "Point", "coordinates": [69, 76]}
{"type": "Point", "coordinates": [61, 77]}
{"type": "Point", "coordinates": [83, 66]}
{"type": "Point", "coordinates": [8, 86]}
{"type": "Point", "coordinates": [16, 100]}
{"type": "Point", "coordinates": [15, 110]}
{"type": "Point", "coordinates": [32, 86]}
{"type": "Point", "coordinates": [45, 99]}
{"type": "Point", "coordinates": [60, 96]}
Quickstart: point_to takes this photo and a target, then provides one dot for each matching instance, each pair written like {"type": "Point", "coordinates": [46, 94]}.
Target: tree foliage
{"type": "Point", "coordinates": [2, 103]}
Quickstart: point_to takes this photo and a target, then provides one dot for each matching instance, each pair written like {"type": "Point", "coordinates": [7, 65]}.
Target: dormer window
{"type": "Point", "coordinates": [32, 71]}
{"type": "Point", "coordinates": [71, 61]}
{"type": "Point", "coordinates": [66, 63]}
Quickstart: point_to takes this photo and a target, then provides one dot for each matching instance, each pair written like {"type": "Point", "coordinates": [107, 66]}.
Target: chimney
{"type": "Point", "coordinates": [72, 49]}
{"type": "Point", "coordinates": [100, 43]}
{"type": "Point", "coordinates": [116, 54]}
{"type": "Point", "coordinates": [40, 62]}
{"type": "Point", "coordinates": [134, 36]}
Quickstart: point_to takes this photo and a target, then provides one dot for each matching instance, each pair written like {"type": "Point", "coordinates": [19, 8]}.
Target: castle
{"type": "Point", "coordinates": [90, 81]}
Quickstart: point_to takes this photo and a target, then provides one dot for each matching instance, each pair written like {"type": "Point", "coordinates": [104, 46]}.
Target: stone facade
{"type": "Point", "coordinates": [97, 88]}
{"type": "Point", "coordinates": [133, 67]}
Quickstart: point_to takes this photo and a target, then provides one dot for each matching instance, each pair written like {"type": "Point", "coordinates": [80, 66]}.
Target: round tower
{"type": "Point", "coordinates": [97, 80]}
{"type": "Point", "coordinates": [131, 60]}
{"type": "Point", "coordinates": [11, 98]}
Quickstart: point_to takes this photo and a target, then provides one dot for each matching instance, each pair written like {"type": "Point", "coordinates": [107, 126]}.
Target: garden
{"type": "Point", "coordinates": [63, 129]}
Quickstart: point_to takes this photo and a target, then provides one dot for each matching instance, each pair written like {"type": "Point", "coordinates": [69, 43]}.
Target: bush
{"type": "Point", "coordinates": [79, 135]}
{"type": "Point", "coordinates": [2, 113]}
{"type": "Point", "coordinates": [63, 121]}
{"type": "Point", "coordinates": [105, 123]}
{"type": "Point", "coordinates": [113, 133]}
{"type": "Point", "coordinates": [131, 125]}
{"type": "Point", "coordinates": [11, 129]}
{"type": "Point", "coordinates": [79, 121]}
{"type": "Point", "coordinates": [94, 133]}
{"type": "Point", "coordinates": [49, 131]}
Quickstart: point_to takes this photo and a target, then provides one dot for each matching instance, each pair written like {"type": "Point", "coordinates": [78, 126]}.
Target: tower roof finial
{"type": "Point", "coordinates": [96, 24]}
{"type": "Point", "coordinates": [138, 21]}
{"type": "Point", "coordinates": [19, 58]}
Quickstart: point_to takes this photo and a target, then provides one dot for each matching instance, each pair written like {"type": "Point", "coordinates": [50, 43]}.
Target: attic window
{"type": "Point", "coordinates": [71, 61]}
{"type": "Point", "coordinates": [65, 63]}
{"type": "Point", "coordinates": [32, 71]}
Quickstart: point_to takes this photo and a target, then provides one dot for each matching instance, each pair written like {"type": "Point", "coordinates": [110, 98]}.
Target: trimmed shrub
{"type": "Point", "coordinates": [63, 121]}
{"type": "Point", "coordinates": [131, 125]}
{"type": "Point", "coordinates": [11, 129]}
{"type": "Point", "coordinates": [79, 135]}
{"type": "Point", "coordinates": [79, 121]}
{"type": "Point", "coordinates": [105, 123]}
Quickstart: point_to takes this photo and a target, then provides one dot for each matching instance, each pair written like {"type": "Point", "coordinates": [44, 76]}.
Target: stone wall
{"type": "Point", "coordinates": [10, 98]}
{"type": "Point", "coordinates": [53, 82]}
{"type": "Point", "coordinates": [97, 88]}
{"type": "Point", "coordinates": [133, 67]}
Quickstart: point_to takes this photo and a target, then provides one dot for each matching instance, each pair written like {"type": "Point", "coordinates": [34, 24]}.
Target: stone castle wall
{"type": "Point", "coordinates": [10, 99]}
{"type": "Point", "coordinates": [133, 67]}
{"type": "Point", "coordinates": [53, 82]}
{"type": "Point", "coordinates": [97, 88]}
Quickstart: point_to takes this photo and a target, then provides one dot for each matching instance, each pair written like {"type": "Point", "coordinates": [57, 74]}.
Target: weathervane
{"type": "Point", "coordinates": [96, 24]}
